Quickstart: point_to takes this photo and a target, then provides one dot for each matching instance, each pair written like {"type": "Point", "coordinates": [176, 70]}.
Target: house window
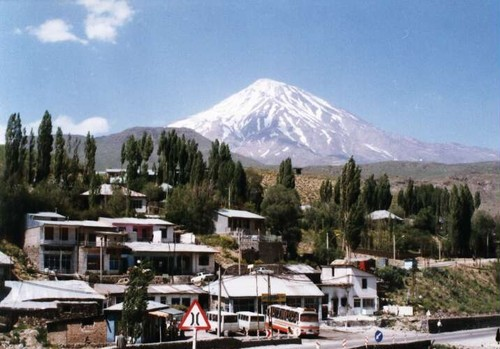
{"type": "Point", "coordinates": [136, 204]}
{"type": "Point", "coordinates": [204, 259]}
{"type": "Point", "coordinates": [176, 301]}
{"type": "Point", "coordinates": [163, 300]}
{"type": "Point", "coordinates": [51, 261]}
{"type": "Point", "coordinates": [357, 303]}
{"type": "Point", "coordinates": [64, 234]}
{"type": "Point", "coordinates": [93, 262]}
{"type": "Point", "coordinates": [186, 302]}
{"type": "Point", "coordinates": [364, 283]}
{"type": "Point", "coordinates": [114, 262]}
{"type": "Point", "coordinates": [49, 233]}
{"type": "Point", "coordinates": [343, 301]}
{"type": "Point", "coordinates": [368, 303]}
{"type": "Point", "coordinates": [163, 234]}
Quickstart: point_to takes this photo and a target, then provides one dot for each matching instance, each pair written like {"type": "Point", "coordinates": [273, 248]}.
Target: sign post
{"type": "Point", "coordinates": [195, 319]}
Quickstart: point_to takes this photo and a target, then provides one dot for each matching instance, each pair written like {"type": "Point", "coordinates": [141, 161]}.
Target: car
{"type": "Point", "coordinates": [202, 277]}
{"type": "Point", "coordinates": [261, 270]}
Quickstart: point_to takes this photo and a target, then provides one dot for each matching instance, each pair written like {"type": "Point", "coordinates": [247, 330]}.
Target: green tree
{"type": "Point", "coordinates": [477, 200]}
{"type": "Point", "coordinates": [31, 159]}
{"type": "Point", "coordinates": [286, 177]}
{"type": "Point", "coordinates": [326, 191]}
{"type": "Point", "coordinates": [59, 156]}
{"type": "Point", "coordinates": [482, 239]}
{"type": "Point", "coordinates": [281, 207]}
{"type": "Point", "coordinates": [193, 208]}
{"type": "Point", "coordinates": [14, 162]}
{"type": "Point", "coordinates": [255, 191]}
{"type": "Point", "coordinates": [460, 214]}
{"type": "Point", "coordinates": [351, 205]}
{"type": "Point", "coordinates": [239, 185]}
{"type": "Point", "coordinates": [131, 154]}
{"type": "Point", "coordinates": [383, 193]}
{"type": "Point", "coordinates": [146, 149]}
{"type": "Point", "coordinates": [89, 164]}
{"type": "Point", "coordinates": [136, 299]}
{"type": "Point", "coordinates": [44, 147]}
{"type": "Point", "coordinates": [369, 194]}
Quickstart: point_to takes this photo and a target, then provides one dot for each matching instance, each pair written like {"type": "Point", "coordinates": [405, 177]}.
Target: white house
{"type": "Point", "coordinates": [251, 292]}
{"type": "Point", "coordinates": [143, 229]}
{"type": "Point", "coordinates": [350, 291]}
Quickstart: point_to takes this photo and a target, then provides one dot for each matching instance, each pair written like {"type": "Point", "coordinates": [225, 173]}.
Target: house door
{"type": "Point", "coordinates": [335, 308]}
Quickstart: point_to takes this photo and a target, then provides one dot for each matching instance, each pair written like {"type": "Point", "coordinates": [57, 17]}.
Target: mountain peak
{"type": "Point", "coordinates": [269, 87]}
{"type": "Point", "coordinates": [270, 121]}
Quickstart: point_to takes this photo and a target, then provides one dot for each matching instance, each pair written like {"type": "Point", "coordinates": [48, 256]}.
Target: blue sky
{"type": "Point", "coordinates": [425, 69]}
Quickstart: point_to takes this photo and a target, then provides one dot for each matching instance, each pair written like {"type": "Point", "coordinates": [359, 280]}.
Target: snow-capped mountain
{"type": "Point", "coordinates": [270, 121]}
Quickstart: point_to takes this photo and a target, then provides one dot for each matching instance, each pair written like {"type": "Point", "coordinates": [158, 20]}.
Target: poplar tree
{"type": "Point", "coordinates": [89, 165]}
{"type": "Point", "coordinates": [369, 194]}
{"type": "Point", "coordinates": [31, 159]}
{"type": "Point", "coordinates": [59, 156]}
{"type": "Point", "coordinates": [286, 176]}
{"type": "Point", "coordinates": [44, 147]}
{"type": "Point", "coordinates": [383, 193]}
{"type": "Point", "coordinates": [351, 205]}
{"type": "Point", "coordinates": [239, 185]}
{"type": "Point", "coordinates": [13, 149]}
{"type": "Point", "coordinates": [326, 191]}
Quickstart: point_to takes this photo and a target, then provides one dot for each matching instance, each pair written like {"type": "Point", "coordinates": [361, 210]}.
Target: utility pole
{"type": "Point", "coordinates": [218, 304]}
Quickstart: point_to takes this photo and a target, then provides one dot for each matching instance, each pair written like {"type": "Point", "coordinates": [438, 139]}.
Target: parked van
{"type": "Point", "coordinates": [250, 322]}
{"type": "Point", "coordinates": [229, 322]}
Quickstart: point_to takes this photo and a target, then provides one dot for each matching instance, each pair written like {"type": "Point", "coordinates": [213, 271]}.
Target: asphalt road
{"type": "Point", "coordinates": [481, 338]}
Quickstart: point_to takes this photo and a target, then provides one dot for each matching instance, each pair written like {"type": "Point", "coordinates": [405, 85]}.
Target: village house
{"type": "Point", "coordinates": [251, 292]}
{"type": "Point", "coordinates": [47, 300]}
{"type": "Point", "coordinates": [55, 244]}
{"type": "Point", "coordinates": [138, 201]}
{"type": "Point", "coordinates": [169, 294]}
{"type": "Point", "coordinates": [349, 290]}
{"type": "Point", "coordinates": [110, 246]}
{"type": "Point", "coordinates": [235, 222]}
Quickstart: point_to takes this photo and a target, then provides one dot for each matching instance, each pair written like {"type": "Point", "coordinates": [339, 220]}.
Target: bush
{"type": "Point", "coordinates": [393, 277]}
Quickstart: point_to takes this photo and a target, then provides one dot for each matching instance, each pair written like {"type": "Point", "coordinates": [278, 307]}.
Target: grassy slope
{"type": "Point", "coordinates": [462, 290]}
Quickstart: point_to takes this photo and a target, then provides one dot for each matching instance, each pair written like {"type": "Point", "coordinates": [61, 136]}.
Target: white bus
{"type": "Point", "coordinates": [250, 322]}
{"type": "Point", "coordinates": [228, 322]}
{"type": "Point", "coordinates": [295, 321]}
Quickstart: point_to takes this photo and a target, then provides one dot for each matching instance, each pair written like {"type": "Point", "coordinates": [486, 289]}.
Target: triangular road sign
{"type": "Point", "coordinates": [195, 318]}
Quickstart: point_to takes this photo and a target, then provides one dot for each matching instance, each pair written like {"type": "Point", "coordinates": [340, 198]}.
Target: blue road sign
{"type": "Point", "coordinates": [379, 336]}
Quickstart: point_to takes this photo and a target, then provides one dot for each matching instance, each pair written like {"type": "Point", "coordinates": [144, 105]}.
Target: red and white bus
{"type": "Point", "coordinates": [298, 322]}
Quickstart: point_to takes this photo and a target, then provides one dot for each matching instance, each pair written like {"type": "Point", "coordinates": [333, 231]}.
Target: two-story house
{"type": "Point", "coordinates": [56, 244]}
{"type": "Point", "coordinates": [349, 290]}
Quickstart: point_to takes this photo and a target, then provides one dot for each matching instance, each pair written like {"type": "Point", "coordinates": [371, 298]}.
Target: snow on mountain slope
{"type": "Point", "coordinates": [270, 121]}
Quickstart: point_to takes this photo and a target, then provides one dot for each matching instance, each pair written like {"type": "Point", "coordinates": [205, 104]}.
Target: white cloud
{"type": "Point", "coordinates": [104, 17]}
{"type": "Point", "coordinates": [95, 125]}
{"type": "Point", "coordinates": [54, 30]}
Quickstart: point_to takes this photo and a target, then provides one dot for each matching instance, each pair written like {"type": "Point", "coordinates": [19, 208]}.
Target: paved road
{"type": "Point", "coordinates": [481, 338]}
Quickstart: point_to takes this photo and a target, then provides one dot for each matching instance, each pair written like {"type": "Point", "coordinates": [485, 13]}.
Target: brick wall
{"type": "Point", "coordinates": [78, 332]}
